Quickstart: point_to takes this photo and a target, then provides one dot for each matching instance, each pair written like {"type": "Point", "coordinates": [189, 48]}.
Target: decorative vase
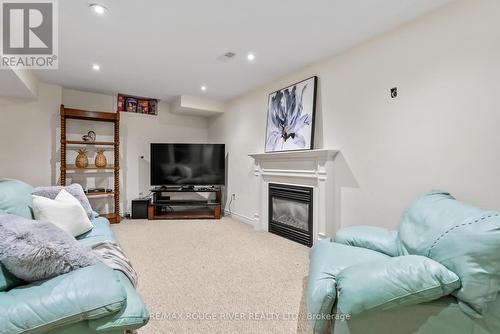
{"type": "Point", "coordinates": [100, 159]}
{"type": "Point", "coordinates": [89, 137]}
{"type": "Point", "coordinates": [81, 159]}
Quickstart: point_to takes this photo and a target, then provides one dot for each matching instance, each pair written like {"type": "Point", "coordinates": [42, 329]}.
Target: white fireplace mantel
{"type": "Point", "coordinates": [320, 154]}
{"type": "Point", "coordinates": [313, 168]}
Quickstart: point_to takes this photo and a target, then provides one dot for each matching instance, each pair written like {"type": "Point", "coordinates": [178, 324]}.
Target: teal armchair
{"type": "Point", "coordinates": [438, 273]}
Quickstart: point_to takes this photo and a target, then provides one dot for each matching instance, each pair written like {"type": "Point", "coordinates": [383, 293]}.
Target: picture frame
{"type": "Point", "coordinates": [291, 116]}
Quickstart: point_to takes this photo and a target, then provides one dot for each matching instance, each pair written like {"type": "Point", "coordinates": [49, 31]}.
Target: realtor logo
{"type": "Point", "coordinates": [29, 34]}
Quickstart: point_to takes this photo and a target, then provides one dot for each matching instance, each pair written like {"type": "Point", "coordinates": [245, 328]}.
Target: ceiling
{"type": "Point", "coordinates": [164, 48]}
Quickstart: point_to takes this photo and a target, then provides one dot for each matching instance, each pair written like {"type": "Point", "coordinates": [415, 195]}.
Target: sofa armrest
{"type": "Point", "coordinates": [87, 293]}
{"type": "Point", "coordinates": [327, 260]}
{"type": "Point", "coordinates": [133, 316]}
{"type": "Point", "coordinates": [393, 282]}
{"type": "Point", "coordinates": [375, 238]}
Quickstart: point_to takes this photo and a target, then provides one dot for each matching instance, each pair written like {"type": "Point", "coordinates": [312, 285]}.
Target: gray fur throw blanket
{"type": "Point", "coordinates": [35, 250]}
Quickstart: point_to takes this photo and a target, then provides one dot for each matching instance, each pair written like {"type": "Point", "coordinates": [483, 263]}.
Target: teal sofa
{"type": "Point", "coordinates": [93, 299]}
{"type": "Point", "coordinates": [371, 280]}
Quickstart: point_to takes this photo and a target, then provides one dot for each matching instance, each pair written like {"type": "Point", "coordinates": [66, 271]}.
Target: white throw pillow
{"type": "Point", "coordinates": [65, 212]}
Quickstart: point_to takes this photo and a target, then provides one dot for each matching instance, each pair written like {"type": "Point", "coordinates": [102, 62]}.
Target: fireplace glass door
{"type": "Point", "coordinates": [290, 212]}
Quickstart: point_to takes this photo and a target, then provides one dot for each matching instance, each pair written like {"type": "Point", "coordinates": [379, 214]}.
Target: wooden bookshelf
{"type": "Point", "coordinates": [97, 143]}
{"type": "Point", "coordinates": [89, 169]}
{"type": "Point", "coordinates": [97, 116]}
{"type": "Point", "coordinates": [113, 218]}
{"type": "Point", "coordinates": [100, 195]}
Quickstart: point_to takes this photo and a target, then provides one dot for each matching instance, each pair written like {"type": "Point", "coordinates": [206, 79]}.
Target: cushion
{"type": "Point", "coordinates": [393, 282]}
{"type": "Point", "coordinates": [75, 189]}
{"type": "Point", "coordinates": [65, 212]}
{"type": "Point", "coordinates": [464, 239]}
{"type": "Point", "coordinates": [327, 260]}
{"type": "Point", "coordinates": [36, 250]}
{"type": "Point", "coordinates": [371, 237]}
{"type": "Point", "coordinates": [7, 280]}
{"type": "Point", "coordinates": [15, 198]}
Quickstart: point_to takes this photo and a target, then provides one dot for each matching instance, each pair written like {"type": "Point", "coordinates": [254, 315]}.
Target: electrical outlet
{"type": "Point", "coordinates": [233, 196]}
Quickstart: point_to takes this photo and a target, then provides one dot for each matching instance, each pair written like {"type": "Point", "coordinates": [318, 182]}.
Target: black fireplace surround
{"type": "Point", "coordinates": [291, 212]}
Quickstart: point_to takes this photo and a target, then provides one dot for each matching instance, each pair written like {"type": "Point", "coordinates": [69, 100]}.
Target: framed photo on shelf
{"type": "Point", "coordinates": [136, 104]}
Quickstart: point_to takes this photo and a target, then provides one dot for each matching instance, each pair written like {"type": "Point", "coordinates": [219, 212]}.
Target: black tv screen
{"type": "Point", "coordinates": [187, 164]}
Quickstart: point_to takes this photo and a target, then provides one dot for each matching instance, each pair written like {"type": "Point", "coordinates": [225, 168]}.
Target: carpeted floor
{"type": "Point", "coordinates": [217, 277]}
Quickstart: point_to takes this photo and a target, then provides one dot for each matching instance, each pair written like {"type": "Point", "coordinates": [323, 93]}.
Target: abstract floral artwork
{"type": "Point", "coordinates": [290, 119]}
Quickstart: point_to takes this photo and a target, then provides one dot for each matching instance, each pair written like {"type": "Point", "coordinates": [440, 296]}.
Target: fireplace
{"type": "Point", "coordinates": [308, 168]}
{"type": "Point", "coordinates": [291, 212]}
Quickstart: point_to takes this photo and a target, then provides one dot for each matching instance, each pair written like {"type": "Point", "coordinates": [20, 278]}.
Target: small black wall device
{"type": "Point", "coordinates": [140, 208]}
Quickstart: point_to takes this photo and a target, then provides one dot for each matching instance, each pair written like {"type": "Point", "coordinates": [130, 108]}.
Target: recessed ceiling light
{"type": "Point", "coordinates": [96, 67]}
{"type": "Point", "coordinates": [98, 9]}
{"type": "Point", "coordinates": [250, 57]}
{"type": "Point", "coordinates": [203, 88]}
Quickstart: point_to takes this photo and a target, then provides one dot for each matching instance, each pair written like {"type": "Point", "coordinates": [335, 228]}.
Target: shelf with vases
{"type": "Point", "coordinates": [100, 195]}
{"type": "Point", "coordinates": [89, 169]}
{"type": "Point", "coordinates": [113, 169]}
{"type": "Point", "coordinates": [112, 217]}
{"type": "Point", "coordinates": [95, 143]}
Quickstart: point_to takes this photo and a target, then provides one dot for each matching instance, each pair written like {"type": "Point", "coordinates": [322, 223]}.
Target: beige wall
{"type": "Point", "coordinates": [28, 143]}
{"type": "Point", "coordinates": [440, 133]}
{"type": "Point", "coordinates": [136, 133]}
{"type": "Point", "coordinates": [30, 132]}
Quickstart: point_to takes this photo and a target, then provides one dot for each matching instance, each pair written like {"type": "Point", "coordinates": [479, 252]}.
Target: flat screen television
{"type": "Point", "coordinates": [187, 164]}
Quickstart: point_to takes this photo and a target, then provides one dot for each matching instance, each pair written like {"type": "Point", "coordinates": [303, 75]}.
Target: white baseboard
{"type": "Point", "coordinates": [239, 217]}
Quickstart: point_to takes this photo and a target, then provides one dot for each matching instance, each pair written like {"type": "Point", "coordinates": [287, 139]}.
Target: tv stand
{"type": "Point", "coordinates": [164, 207]}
